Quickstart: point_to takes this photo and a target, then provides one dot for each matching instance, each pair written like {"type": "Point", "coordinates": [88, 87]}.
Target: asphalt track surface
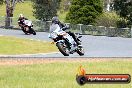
{"type": "Point", "coordinates": [94, 46]}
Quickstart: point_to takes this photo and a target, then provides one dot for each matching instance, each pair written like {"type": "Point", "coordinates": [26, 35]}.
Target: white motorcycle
{"type": "Point", "coordinates": [28, 27]}
{"type": "Point", "coordinates": [64, 41]}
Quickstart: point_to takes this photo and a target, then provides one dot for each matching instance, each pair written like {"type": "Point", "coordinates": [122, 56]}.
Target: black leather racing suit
{"type": "Point", "coordinates": [21, 21]}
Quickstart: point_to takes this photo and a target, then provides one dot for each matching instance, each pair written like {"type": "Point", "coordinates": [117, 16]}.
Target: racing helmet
{"type": "Point", "coordinates": [55, 20]}
{"type": "Point", "coordinates": [21, 15]}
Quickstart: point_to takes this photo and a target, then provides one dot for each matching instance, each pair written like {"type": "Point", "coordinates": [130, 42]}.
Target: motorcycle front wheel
{"type": "Point", "coordinates": [62, 49]}
{"type": "Point", "coordinates": [33, 32]}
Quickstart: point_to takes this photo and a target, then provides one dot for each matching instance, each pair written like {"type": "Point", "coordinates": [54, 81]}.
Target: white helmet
{"type": "Point", "coordinates": [21, 15]}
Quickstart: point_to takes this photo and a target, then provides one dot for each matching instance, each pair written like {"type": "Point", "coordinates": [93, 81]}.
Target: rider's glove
{"type": "Point", "coordinates": [66, 27]}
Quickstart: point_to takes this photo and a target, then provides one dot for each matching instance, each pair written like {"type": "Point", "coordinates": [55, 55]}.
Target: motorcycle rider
{"type": "Point", "coordinates": [64, 27]}
{"type": "Point", "coordinates": [21, 21]}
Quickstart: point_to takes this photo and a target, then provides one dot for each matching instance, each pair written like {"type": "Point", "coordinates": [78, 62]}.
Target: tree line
{"type": "Point", "coordinates": [79, 11]}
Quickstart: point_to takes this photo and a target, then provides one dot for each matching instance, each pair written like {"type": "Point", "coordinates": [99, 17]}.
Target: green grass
{"type": "Point", "coordinates": [13, 45]}
{"type": "Point", "coordinates": [61, 74]}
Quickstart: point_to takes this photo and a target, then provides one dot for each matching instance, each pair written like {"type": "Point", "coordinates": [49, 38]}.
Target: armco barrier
{"type": "Point", "coordinates": [43, 26]}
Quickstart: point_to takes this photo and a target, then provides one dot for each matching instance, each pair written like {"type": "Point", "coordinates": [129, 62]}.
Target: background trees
{"type": "Point", "coordinates": [1, 1]}
{"type": "Point", "coordinates": [10, 6]}
{"type": "Point", "coordinates": [124, 9]}
{"type": "Point", "coordinates": [108, 19]}
{"type": "Point", "coordinates": [84, 11]}
{"type": "Point", "coordinates": [79, 11]}
{"type": "Point", "coordinates": [45, 9]}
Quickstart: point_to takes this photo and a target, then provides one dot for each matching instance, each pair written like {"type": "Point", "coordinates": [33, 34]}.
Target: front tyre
{"type": "Point", "coordinates": [32, 31]}
{"type": "Point", "coordinates": [62, 49]}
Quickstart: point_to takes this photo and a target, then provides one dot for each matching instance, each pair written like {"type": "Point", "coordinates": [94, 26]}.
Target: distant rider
{"type": "Point", "coordinates": [21, 20]}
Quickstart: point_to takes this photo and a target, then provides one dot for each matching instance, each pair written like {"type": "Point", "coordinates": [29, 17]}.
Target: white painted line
{"type": "Point", "coordinates": [29, 54]}
{"type": "Point", "coordinates": [1, 35]}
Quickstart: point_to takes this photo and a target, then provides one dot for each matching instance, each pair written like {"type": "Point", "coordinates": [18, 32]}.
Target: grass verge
{"type": "Point", "coordinates": [60, 73]}
{"type": "Point", "coordinates": [13, 45]}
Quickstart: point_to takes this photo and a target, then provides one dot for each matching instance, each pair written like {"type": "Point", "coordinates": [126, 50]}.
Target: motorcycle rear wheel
{"type": "Point", "coordinates": [80, 51]}
{"type": "Point", "coordinates": [24, 31]}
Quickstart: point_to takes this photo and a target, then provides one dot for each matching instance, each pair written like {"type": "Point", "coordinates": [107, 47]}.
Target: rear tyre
{"type": "Point", "coordinates": [80, 51]}
{"type": "Point", "coordinates": [24, 31]}
{"type": "Point", "coordinates": [62, 49]}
